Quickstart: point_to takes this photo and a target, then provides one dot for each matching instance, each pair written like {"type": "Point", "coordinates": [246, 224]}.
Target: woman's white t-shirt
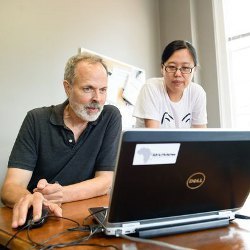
{"type": "Point", "coordinates": [153, 103]}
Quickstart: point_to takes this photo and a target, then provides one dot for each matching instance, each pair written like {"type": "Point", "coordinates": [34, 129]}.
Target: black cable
{"type": "Point", "coordinates": [35, 244]}
{"type": "Point", "coordinates": [87, 244]}
{"type": "Point", "coordinates": [13, 236]}
{"type": "Point", "coordinates": [84, 244]}
{"type": "Point", "coordinates": [92, 229]}
{"type": "Point", "coordinates": [97, 245]}
{"type": "Point", "coordinates": [28, 226]}
{"type": "Point", "coordinates": [72, 243]}
{"type": "Point", "coordinates": [65, 218]}
{"type": "Point", "coordinates": [42, 245]}
{"type": "Point", "coordinates": [85, 228]}
{"type": "Point", "coordinates": [241, 216]}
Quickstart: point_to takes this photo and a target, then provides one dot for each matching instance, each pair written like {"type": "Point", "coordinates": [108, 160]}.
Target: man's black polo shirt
{"type": "Point", "coordinates": [45, 146]}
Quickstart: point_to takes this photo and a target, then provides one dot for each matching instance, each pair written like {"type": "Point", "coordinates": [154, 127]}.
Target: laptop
{"type": "Point", "coordinates": [174, 181]}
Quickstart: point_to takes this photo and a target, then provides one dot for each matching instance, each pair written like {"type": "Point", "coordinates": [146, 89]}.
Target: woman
{"type": "Point", "coordinates": [173, 101]}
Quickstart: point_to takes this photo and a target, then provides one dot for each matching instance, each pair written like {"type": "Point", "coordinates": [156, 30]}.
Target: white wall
{"type": "Point", "coordinates": [208, 59]}
{"type": "Point", "coordinates": [175, 21]}
{"type": "Point", "coordinates": [37, 37]}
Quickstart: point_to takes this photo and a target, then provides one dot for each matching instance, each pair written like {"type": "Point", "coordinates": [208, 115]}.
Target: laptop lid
{"type": "Point", "coordinates": [179, 173]}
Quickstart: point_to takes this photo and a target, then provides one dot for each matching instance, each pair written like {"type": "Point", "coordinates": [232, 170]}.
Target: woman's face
{"type": "Point", "coordinates": [175, 80]}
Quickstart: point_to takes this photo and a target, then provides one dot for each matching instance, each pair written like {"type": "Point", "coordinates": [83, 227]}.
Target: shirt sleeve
{"type": "Point", "coordinates": [106, 158]}
{"type": "Point", "coordinates": [148, 102]}
{"type": "Point", "coordinates": [24, 153]}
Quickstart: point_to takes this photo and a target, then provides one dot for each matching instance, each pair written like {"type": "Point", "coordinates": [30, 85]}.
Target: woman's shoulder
{"type": "Point", "coordinates": [154, 84]}
{"type": "Point", "coordinates": [155, 80]}
{"type": "Point", "coordinates": [195, 87]}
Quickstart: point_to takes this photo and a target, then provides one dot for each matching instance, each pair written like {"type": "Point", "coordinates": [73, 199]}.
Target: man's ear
{"type": "Point", "coordinates": [67, 87]}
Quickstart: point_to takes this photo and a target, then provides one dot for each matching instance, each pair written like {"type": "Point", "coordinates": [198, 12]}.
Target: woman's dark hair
{"type": "Point", "coordinates": [177, 45]}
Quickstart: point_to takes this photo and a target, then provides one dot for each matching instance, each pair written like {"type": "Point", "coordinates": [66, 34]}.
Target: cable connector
{"type": "Point", "coordinates": [80, 228]}
{"type": "Point", "coordinates": [88, 228]}
{"type": "Point", "coordinates": [118, 233]}
{"type": "Point", "coordinates": [96, 228]}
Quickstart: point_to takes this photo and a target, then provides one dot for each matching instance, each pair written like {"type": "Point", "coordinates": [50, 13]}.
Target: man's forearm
{"type": "Point", "coordinates": [12, 193]}
{"type": "Point", "coordinates": [97, 186]}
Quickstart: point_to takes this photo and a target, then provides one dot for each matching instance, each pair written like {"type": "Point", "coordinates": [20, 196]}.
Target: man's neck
{"type": "Point", "coordinates": [73, 122]}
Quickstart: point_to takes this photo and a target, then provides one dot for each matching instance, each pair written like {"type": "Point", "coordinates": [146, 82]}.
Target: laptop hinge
{"type": "Point", "coordinates": [168, 230]}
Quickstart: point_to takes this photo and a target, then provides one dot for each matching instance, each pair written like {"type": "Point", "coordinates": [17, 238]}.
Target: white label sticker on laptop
{"type": "Point", "coordinates": [156, 154]}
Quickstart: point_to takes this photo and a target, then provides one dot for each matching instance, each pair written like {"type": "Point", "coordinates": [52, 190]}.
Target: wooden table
{"type": "Point", "coordinates": [236, 236]}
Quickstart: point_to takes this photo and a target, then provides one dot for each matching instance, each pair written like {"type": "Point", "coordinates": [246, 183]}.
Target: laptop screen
{"type": "Point", "coordinates": [164, 173]}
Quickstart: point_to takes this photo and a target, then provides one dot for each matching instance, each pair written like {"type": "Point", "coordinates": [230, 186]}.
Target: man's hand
{"type": "Point", "coordinates": [36, 200]}
{"type": "Point", "coordinates": [51, 192]}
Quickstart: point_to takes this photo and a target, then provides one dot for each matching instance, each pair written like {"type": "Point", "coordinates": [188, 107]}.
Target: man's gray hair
{"type": "Point", "coordinates": [69, 73]}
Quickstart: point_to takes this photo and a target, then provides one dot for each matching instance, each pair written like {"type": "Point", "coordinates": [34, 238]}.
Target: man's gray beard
{"type": "Point", "coordinates": [81, 112]}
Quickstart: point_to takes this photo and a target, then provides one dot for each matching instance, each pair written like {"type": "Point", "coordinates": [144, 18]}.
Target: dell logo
{"type": "Point", "coordinates": [196, 180]}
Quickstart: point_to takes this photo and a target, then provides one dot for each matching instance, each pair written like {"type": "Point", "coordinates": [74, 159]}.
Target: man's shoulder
{"type": "Point", "coordinates": [111, 109]}
{"type": "Point", "coordinates": [109, 113]}
{"type": "Point", "coordinates": [47, 109]}
{"type": "Point", "coordinates": [41, 111]}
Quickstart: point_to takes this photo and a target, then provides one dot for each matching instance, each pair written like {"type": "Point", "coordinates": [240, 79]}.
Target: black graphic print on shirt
{"type": "Point", "coordinates": [167, 118]}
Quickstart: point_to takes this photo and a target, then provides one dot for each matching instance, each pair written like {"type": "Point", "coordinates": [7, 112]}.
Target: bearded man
{"type": "Point", "coordinates": [66, 152]}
